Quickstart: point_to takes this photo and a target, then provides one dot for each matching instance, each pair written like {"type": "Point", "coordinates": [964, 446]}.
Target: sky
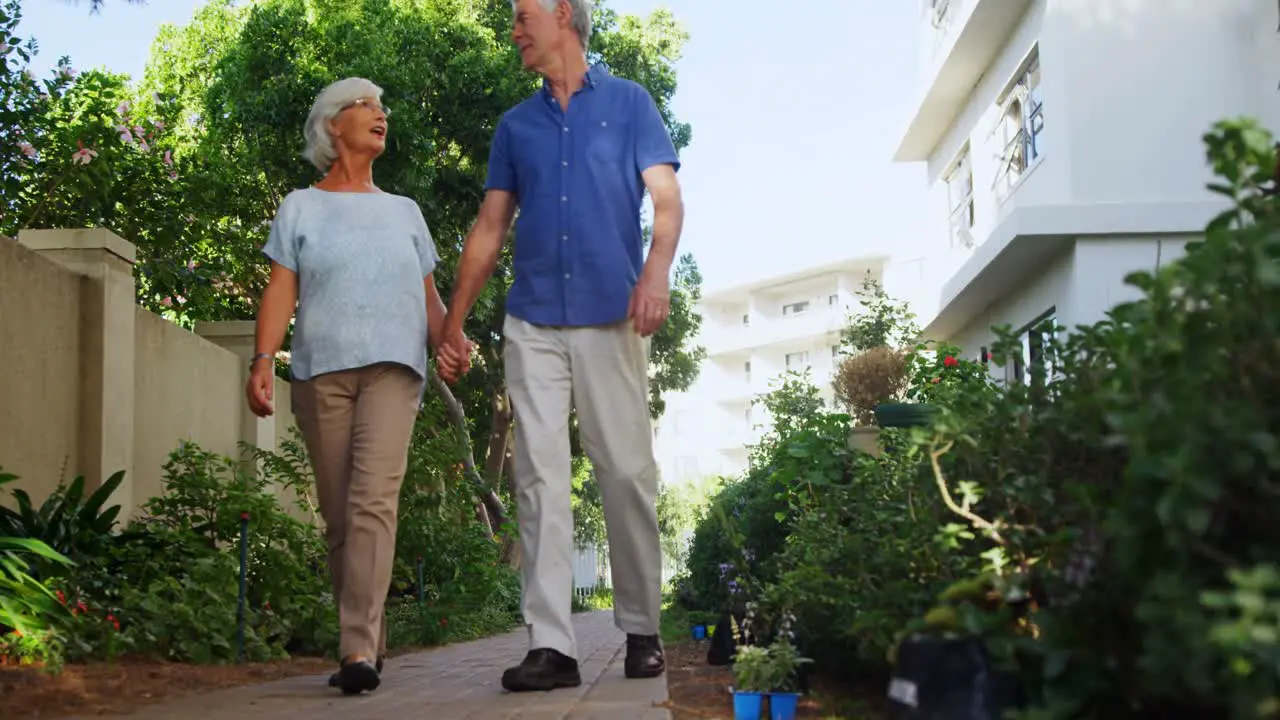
{"type": "Point", "coordinates": [796, 108]}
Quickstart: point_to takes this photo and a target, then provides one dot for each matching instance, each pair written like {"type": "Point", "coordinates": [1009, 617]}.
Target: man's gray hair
{"type": "Point", "coordinates": [331, 101]}
{"type": "Point", "coordinates": [581, 16]}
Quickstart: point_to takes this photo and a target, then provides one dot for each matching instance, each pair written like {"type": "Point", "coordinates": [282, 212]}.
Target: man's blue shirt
{"type": "Point", "coordinates": [576, 178]}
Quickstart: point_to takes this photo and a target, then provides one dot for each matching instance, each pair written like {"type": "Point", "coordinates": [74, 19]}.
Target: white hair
{"type": "Point", "coordinates": [581, 16]}
{"type": "Point", "coordinates": [331, 101]}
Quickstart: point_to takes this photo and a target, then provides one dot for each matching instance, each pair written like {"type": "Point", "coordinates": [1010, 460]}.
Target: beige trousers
{"type": "Point", "coordinates": [357, 425]}
{"type": "Point", "coordinates": [602, 373]}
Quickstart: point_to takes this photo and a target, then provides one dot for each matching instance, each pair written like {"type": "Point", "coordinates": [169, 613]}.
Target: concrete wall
{"type": "Point", "coordinates": [91, 384]}
{"type": "Point", "coordinates": [40, 350]}
{"type": "Point", "coordinates": [1080, 285]}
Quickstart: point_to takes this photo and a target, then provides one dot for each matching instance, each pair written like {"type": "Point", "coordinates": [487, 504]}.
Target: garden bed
{"type": "Point", "coordinates": [122, 687]}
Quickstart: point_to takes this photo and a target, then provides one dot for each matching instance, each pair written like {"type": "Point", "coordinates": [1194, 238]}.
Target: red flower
{"type": "Point", "coordinates": [244, 516]}
{"type": "Point", "coordinates": [444, 622]}
{"type": "Point", "coordinates": [950, 361]}
{"type": "Point", "coordinates": [82, 606]}
{"type": "Point", "coordinates": [114, 623]}
{"type": "Point", "coordinates": [266, 606]}
{"type": "Point", "coordinates": [62, 598]}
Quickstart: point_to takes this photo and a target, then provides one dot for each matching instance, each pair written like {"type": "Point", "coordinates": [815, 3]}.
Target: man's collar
{"type": "Point", "coordinates": [594, 75]}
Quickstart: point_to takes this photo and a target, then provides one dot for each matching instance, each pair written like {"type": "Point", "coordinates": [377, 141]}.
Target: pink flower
{"type": "Point", "coordinates": [168, 157]}
{"type": "Point", "coordinates": [123, 108]}
{"type": "Point", "coordinates": [157, 124]}
{"type": "Point", "coordinates": [191, 264]}
{"type": "Point", "coordinates": [27, 149]}
{"type": "Point", "coordinates": [143, 146]}
{"type": "Point", "coordinates": [67, 71]}
{"type": "Point", "coordinates": [167, 302]}
{"type": "Point", "coordinates": [125, 135]}
{"type": "Point", "coordinates": [173, 175]}
{"type": "Point", "coordinates": [181, 300]}
{"type": "Point", "coordinates": [84, 155]}
{"type": "Point", "coordinates": [4, 48]}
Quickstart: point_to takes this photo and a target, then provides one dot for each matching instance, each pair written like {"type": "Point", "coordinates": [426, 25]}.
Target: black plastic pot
{"type": "Point", "coordinates": [948, 679]}
{"type": "Point", "coordinates": [904, 415]}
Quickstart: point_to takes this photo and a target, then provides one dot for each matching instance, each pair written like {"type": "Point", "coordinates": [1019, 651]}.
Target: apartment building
{"type": "Point", "coordinates": [1062, 140]}
{"type": "Point", "coordinates": [753, 333]}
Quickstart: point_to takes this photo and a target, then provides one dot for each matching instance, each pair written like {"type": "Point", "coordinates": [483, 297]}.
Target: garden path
{"type": "Point", "coordinates": [457, 682]}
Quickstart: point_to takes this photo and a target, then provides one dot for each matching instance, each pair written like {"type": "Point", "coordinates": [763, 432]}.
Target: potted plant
{"type": "Point", "coordinates": [863, 381]}
{"type": "Point", "coordinates": [784, 664]}
{"type": "Point", "coordinates": [753, 674]}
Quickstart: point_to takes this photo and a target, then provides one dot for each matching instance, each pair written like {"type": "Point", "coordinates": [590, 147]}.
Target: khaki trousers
{"type": "Point", "coordinates": [602, 373]}
{"type": "Point", "coordinates": [357, 425]}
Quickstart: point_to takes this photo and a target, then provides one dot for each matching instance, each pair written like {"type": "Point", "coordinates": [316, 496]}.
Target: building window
{"type": "Point", "coordinates": [960, 200]}
{"type": "Point", "coordinates": [795, 308]}
{"type": "Point", "coordinates": [1021, 126]}
{"type": "Point", "coordinates": [835, 351]}
{"type": "Point", "coordinates": [746, 321]}
{"type": "Point", "coordinates": [939, 10]}
{"type": "Point", "coordinates": [746, 369]}
{"type": "Point", "coordinates": [1034, 364]}
{"type": "Point", "coordinates": [797, 360]}
{"type": "Point", "coordinates": [833, 299]}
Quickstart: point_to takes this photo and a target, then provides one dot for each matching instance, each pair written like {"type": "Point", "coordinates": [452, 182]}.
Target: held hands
{"type": "Point", "coordinates": [453, 354]}
{"type": "Point", "coordinates": [261, 387]}
{"type": "Point", "coordinates": [650, 303]}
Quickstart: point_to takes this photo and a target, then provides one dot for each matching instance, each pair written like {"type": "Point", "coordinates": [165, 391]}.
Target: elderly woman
{"type": "Point", "coordinates": [357, 263]}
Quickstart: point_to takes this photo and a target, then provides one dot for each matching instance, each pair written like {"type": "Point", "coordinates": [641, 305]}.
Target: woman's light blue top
{"type": "Point", "coordinates": [360, 259]}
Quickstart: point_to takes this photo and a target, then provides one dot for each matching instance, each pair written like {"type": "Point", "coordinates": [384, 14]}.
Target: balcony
{"type": "Point", "coordinates": [962, 38]}
{"type": "Point", "coordinates": [776, 330]}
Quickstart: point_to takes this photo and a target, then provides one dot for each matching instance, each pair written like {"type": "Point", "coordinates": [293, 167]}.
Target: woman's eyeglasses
{"type": "Point", "coordinates": [367, 103]}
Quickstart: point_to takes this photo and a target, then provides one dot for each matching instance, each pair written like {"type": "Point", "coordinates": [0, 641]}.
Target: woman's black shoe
{"type": "Point", "coordinates": [354, 679]}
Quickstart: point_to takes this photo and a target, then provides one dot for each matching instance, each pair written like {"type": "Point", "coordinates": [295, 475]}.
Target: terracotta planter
{"type": "Point", "coordinates": [865, 439]}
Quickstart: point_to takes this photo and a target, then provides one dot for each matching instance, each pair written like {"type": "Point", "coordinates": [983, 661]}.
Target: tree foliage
{"type": "Point", "coordinates": [191, 162]}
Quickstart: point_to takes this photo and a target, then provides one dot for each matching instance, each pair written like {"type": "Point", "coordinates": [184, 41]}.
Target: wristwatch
{"type": "Point", "coordinates": [258, 357]}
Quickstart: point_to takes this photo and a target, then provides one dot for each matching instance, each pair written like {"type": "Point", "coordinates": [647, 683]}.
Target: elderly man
{"type": "Point", "coordinates": [576, 158]}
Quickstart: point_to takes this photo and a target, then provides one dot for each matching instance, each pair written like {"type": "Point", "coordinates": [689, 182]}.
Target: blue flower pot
{"type": "Point", "coordinates": [747, 705]}
{"type": "Point", "coordinates": [699, 632]}
{"type": "Point", "coordinates": [783, 706]}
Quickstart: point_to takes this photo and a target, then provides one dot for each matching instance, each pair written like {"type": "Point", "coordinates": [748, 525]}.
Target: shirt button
{"type": "Point", "coordinates": [564, 237]}
{"type": "Point", "coordinates": [564, 163]}
{"type": "Point", "coordinates": [566, 128]}
{"type": "Point", "coordinates": [604, 123]}
{"type": "Point", "coordinates": [564, 198]}
{"type": "Point", "coordinates": [566, 276]}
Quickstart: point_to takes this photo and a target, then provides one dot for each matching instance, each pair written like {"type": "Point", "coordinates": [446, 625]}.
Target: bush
{"type": "Point", "coordinates": [865, 380]}
{"type": "Point", "coordinates": [1106, 527]}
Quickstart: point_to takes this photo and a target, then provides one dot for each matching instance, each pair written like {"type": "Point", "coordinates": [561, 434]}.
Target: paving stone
{"type": "Point", "coordinates": [458, 682]}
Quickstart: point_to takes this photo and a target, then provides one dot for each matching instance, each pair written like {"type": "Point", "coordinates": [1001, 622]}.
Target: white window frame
{"type": "Point", "coordinates": [960, 201]}
{"type": "Point", "coordinates": [803, 360]}
{"type": "Point", "coordinates": [798, 307]}
{"type": "Point", "coordinates": [1031, 362]}
{"type": "Point", "coordinates": [1020, 126]}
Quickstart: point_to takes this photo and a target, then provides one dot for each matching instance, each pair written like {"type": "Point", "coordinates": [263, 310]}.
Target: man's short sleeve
{"type": "Point", "coordinates": [653, 142]}
{"type": "Point", "coordinates": [502, 172]}
{"type": "Point", "coordinates": [426, 246]}
{"type": "Point", "coordinates": [282, 243]}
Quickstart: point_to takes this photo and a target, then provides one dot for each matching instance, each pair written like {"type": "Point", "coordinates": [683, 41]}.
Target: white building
{"type": "Point", "coordinates": [1063, 148]}
{"type": "Point", "coordinates": [754, 333]}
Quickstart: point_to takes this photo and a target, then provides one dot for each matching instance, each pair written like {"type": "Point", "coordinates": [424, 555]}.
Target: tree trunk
{"type": "Point", "coordinates": [494, 509]}
{"type": "Point", "coordinates": [495, 459]}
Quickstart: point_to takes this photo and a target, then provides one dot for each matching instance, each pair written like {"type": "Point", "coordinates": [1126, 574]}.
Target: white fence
{"type": "Point", "coordinates": [590, 570]}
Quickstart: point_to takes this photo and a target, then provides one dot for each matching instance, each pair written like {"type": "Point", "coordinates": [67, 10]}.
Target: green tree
{"type": "Point", "coordinates": [223, 101]}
